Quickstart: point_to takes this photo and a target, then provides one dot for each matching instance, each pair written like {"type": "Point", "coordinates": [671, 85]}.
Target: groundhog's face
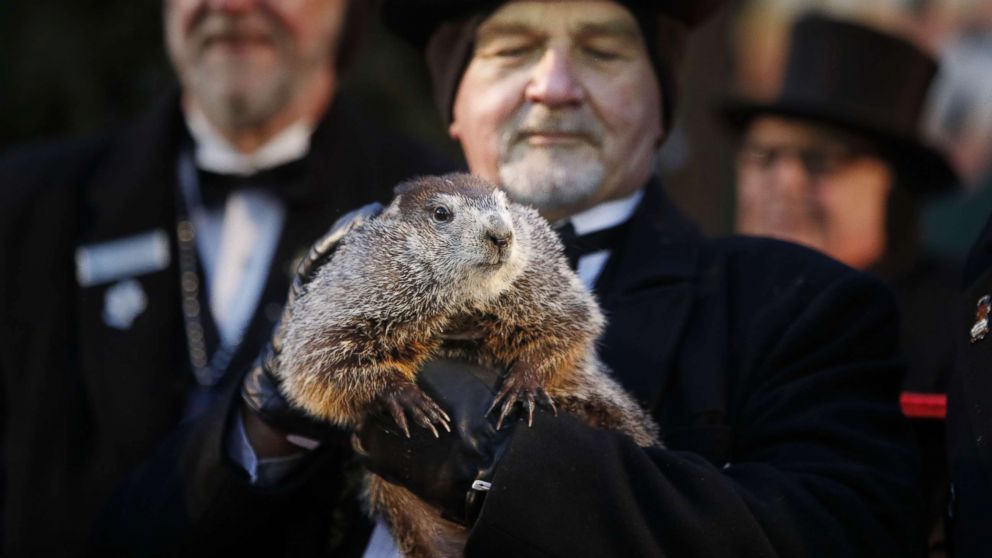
{"type": "Point", "coordinates": [463, 231]}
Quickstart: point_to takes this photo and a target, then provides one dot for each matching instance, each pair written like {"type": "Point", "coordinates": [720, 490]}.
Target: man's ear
{"type": "Point", "coordinates": [662, 134]}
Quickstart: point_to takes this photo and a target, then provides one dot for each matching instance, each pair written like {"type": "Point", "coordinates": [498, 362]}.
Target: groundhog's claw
{"type": "Point", "coordinates": [406, 398]}
{"type": "Point", "coordinates": [527, 391]}
{"type": "Point", "coordinates": [508, 403]}
{"type": "Point", "coordinates": [546, 400]}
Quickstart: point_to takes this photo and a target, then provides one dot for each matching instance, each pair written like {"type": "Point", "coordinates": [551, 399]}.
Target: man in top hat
{"type": "Point", "coordinates": [772, 371]}
{"type": "Point", "coordinates": [836, 162]}
{"type": "Point", "coordinates": [142, 270]}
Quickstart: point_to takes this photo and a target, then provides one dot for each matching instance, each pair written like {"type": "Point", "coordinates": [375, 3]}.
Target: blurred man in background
{"type": "Point", "coordinates": [835, 162]}
{"type": "Point", "coordinates": [142, 270]}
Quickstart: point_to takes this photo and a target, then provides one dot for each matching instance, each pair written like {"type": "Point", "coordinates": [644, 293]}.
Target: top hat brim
{"type": "Point", "coordinates": [416, 20]}
{"type": "Point", "coordinates": [930, 170]}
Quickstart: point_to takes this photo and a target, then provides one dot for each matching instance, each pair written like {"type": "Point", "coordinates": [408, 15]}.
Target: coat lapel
{"type": "Point", "coordinates": [133, 370]}
{"type": "Point", "coordinates": [647, 291]}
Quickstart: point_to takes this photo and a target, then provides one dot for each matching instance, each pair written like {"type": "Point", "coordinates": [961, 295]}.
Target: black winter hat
{"type": "Point", "coordinates": [445, 31]}
{"type": "Point", "coordinates": [862, 80]}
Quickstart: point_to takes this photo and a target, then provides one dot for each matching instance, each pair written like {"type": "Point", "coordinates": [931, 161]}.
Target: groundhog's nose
{"type": "Point", "coordinates": [498, 231]}
{"type": "Point", "coordinates": [500, 238]}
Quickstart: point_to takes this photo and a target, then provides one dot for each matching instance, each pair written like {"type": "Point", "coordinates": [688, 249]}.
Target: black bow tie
{"type": "Point", "coordinates": [283, 181]}
{"type": "Point", "coordinates": [577, 245]}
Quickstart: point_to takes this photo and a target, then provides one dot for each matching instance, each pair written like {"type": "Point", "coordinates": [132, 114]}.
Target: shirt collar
{"type": "Point", "coordinates": [214, 153]}
{"type": "Point", "coordinates": [606, 214]}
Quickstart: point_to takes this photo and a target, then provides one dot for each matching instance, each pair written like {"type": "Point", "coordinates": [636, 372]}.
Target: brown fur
{"type": "Point", "coordinates": [400, 283]}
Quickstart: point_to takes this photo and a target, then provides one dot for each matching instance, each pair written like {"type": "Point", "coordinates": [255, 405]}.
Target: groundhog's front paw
{"type": "Point", "coordinates": [521, 386]}
{"type": "Point", "coordinates": [402, 398]}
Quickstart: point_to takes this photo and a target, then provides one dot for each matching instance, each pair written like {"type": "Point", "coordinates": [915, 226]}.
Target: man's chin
{"type": "Point", "coordinates": [239, 105]}
{"type": "Point", "coordinates": [551, 186]}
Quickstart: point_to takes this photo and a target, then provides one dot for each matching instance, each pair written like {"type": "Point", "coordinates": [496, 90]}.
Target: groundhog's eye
{"type": "Point", "coordinates": [442, 214]}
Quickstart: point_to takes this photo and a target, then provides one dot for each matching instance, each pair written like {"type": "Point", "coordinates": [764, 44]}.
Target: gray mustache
{"type": "Point", "coordinates": [536, 119]}
{"type": "Point", "coordinates": [213, 27]}
{"type": "Point", "coordinates": [590, 133]}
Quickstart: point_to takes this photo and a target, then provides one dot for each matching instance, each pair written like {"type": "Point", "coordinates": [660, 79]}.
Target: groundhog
{"type": "Point", "coordinates": [449, 257]}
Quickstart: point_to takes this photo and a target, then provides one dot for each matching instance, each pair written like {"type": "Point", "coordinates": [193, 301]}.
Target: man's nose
{"type": "Point", "coordinates": [789, 176]}
{"type": "Point", "coordinates": [231, 5]}
{"type": "Point", "coordinates": [554, 81]}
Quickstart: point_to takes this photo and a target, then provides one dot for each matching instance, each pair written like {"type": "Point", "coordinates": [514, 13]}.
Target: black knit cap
{"type": "Point", "coordinates": [445, 31]}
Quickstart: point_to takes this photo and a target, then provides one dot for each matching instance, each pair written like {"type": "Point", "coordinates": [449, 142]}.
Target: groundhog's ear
{"type": "Point", "coordinates": [501, 196]}
{"type": "Point", "coordinates": [393, 208]}
{"type": "Point", "coordinates": [404, 187]}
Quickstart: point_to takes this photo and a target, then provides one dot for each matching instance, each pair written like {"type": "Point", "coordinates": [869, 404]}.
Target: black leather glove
{"type": "Point", "coordinates": [260, 391]}
{"type": "Point", "coordinates": [452, 471]}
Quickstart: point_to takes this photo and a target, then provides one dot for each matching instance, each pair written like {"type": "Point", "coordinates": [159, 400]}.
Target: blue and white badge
{"type": "Point", "coordinates": [122, 303]}
{"type": "Point", "coordinates": [122, 258]}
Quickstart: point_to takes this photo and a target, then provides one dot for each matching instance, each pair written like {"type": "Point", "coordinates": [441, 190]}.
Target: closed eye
{"type": "Point", "coordinates": [601, 55]}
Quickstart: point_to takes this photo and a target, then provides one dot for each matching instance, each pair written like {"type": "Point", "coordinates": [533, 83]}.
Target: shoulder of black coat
{"type": "Point", "coordinates": [32, 171]}
{"type": "Point", "coordinates": [767, 267]}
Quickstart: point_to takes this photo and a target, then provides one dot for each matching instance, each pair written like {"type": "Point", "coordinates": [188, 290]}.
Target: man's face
{"type": "Point", "coordinates": [245, 60]}
{"type": "Point", "coordinates": [560, 104]}
{"type": "Point", "coordinates": [811, 185]}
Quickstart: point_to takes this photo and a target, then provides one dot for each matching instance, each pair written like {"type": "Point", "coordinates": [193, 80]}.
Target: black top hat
{"type": "Point", "coordinates": [859, 79]}
{"type": "Point", "coordinates": [416, 20]}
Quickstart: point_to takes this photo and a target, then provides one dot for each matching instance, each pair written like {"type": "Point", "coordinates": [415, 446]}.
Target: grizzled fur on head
{"type": "Point", "coordinates": [456, 229]}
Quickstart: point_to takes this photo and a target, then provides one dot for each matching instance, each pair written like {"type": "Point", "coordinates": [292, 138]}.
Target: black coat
{"type": "Point", "coordinates": [969, 415]}
{"type": "Point", "coordinates": [83, 403]}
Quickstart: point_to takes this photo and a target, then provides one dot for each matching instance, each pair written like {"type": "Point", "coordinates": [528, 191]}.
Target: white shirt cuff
{"type": "Point", "coordinates": [261, 472]}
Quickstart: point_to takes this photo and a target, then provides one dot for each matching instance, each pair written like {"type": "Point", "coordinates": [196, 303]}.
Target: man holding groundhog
{"type": "Point", "coordinates": [771, 371]}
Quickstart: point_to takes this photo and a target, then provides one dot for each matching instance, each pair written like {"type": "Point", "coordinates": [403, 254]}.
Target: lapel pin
{"type": "Point", "coordinates": [981, 327]}
{"type": "Point", "coordinates": [122, 303]}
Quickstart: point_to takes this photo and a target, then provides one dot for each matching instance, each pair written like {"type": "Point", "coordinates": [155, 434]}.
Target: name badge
{"type": "Point", "coordinates": [122, 258]}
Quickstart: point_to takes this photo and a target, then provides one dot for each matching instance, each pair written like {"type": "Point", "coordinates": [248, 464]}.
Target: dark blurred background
{"type": "Point", "coordinates": [69, 68]}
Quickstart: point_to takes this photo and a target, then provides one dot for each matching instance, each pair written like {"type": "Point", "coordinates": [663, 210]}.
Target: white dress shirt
{"type": "Point", "coordinates": [603, 216]}
{"type": "Point", "coordinates": [236, 244]}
